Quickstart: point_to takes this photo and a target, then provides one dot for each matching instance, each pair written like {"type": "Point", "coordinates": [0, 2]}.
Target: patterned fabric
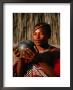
{"type": "Point", "coordinates": [50, 57]}
{"type": "Point", "coordinates": [35, 72]}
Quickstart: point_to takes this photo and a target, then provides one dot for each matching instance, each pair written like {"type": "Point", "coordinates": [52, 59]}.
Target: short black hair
{"type": "Point", "coordinates": [45, 27]}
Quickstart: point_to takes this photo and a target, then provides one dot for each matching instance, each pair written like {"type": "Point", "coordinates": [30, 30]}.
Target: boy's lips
{"type": "Point", "coordinates": [37, 41]}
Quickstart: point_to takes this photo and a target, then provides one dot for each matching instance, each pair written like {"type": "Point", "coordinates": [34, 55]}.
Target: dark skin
{"type": "Point", "coordinates": [40, 39]}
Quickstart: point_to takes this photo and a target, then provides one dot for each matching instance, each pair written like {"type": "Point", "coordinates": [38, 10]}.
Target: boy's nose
{"type": "Point", "coordinates": [38, 36]}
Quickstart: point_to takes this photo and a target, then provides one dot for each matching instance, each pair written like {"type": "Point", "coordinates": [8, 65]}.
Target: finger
{"type": "Point", "coordinates": [18, 54]}
{"type": "Point", "coordinates": [29, 51]}
{"type": "Point", "coordinates": [28, 55]}
{"type": "Point", "coordinates": [16, 51]}
{"type": "Point", "coordinates": [26, 59]}
{"type": "Point", "coordinates": [15, 46]}
{"type": "Point", "coordinates": [24, 53]}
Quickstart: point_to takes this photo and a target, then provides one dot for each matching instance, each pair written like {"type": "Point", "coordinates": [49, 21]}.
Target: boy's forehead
{"type": "Point", "coordinates": [39, 30]}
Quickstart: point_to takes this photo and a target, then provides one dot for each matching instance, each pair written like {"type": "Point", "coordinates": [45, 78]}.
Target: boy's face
{"type": "Point", "coordinates": [39, 36]}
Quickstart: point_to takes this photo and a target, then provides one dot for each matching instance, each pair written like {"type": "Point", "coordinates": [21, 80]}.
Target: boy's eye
{"type": "Point", "coordinates": [34, 33]}
{"type": "Point", "coordinates": [42, 33]}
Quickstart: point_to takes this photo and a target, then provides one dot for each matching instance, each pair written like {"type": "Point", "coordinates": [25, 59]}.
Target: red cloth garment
{"type": "Point", "coordinates": [57, 67]}
{"type": "Point", "coordinates": [47, 66]}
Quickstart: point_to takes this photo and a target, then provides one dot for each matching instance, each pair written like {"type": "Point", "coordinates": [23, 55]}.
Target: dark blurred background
{"type": "Point", "coordinates": [23, 24]}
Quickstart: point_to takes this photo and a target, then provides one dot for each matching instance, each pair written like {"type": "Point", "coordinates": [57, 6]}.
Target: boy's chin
{"type": "Point", "coordinates": [38, 44]}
